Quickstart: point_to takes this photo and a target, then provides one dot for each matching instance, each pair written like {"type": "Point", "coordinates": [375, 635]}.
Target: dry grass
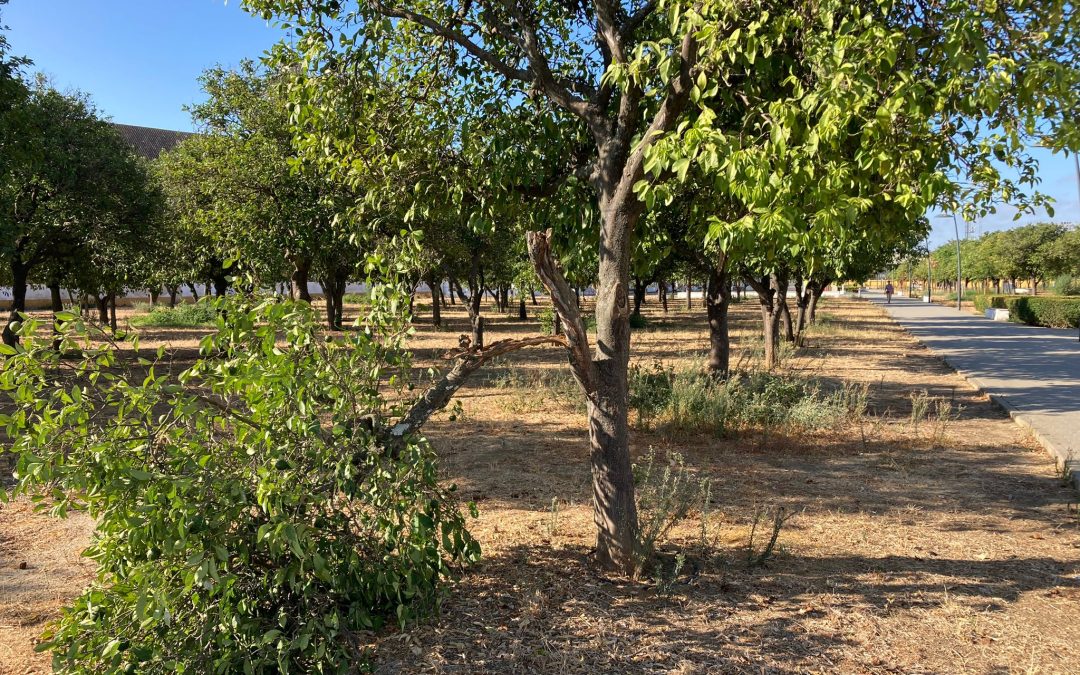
{"type": "Point", "coordinates": [953, 550]}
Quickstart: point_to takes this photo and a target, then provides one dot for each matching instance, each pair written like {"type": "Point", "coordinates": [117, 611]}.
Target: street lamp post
{"type": "Point", "coordinates": [929, 275]}
{"type": "Point", "coordinates": [959, 282]}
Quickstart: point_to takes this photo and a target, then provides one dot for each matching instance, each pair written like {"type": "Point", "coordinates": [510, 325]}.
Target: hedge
{"type": "Point", "coordinates": [1050, 311]}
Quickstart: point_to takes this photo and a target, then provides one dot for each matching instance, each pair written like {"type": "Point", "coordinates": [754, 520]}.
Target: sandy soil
{"type": "Point", "coordinates": [953, 547]}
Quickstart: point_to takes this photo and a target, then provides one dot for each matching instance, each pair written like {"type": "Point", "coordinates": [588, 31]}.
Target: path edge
{"type": "Point", "coordinates": [1067, 464]}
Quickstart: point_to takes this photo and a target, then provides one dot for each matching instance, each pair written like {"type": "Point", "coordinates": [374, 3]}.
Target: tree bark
{"type": "Point", "coordinates": [57, 303]}
{"type": "Point", "coordinates": [689, 294]}
{"type": "Point", "coordinates": [18, 300]}
{"type": "Point", "coordinates": [299, 280]}
{"type": "Point", "coordinates": [770, 316]}
{"type": "Point", "coordinates": [662, 291]}
{"type": "Point", "coordinates": [220, 280]}
{"type": "Point", "coordinates": [785, 318]}
{"type": "Point", "coordinates": [815, 295]}
{"type": "Point", "coordinates": [194, 292]}
{"type": "Point", "coordinates": [603, 376]}
{"type": "Point", "coordinates": [472, 304]}
{"type": "Point", "coordinates": [717, 302]}
{"type": "Point", "coordinates": [521, 307]}
{"type": "Point", "coordinates": [639, 295]}
{"type": "Point", "coordinates": [436, 301]}
{"type": "Point", "coordinates": [112, 311]}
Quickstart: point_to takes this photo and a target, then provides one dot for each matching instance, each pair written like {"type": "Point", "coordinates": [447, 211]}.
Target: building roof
{"type": "Point", "coordinates": [150, 142]}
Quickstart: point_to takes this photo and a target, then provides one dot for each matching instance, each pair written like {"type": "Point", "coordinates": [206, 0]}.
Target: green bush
{"type": "Point", "coordinates": [187, 315]}
{"type": "Point", "coordinates": [1067, 285]}
{"type": "Point", "coordinates": [985, 302]}
{"type": "Point", "coordinates": [546, 317]}
{"type": "Point", "coordinates": [1035, 310]}
{"type": "Point", "coordinates": [1050, 311]}
{"type": "Point", "coordinates": [694, 401]}
{"type": "Point", "coordinates": [638, 321]}
{"type": "Point", "coordinates": [249, 516]}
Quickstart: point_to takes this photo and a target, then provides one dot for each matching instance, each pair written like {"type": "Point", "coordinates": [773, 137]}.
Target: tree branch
{"type": "Point", "coordinates": [468, 362]}
{"type": "Point", "coordinates": [675, 100]}
{"type": "Point", "coordinates": [565, 305]}
{"type": "Point", "coordinates": [458, 38]}
{"type": "Point", "coordinates": [558, 91]}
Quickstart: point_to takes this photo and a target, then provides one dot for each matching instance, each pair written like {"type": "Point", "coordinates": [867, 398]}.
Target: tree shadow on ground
{"type": "Point", "coordinates": [535, 608]}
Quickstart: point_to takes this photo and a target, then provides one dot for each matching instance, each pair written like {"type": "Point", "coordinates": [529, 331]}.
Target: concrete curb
{"type": "Point", "coordinates": [1068, 464]}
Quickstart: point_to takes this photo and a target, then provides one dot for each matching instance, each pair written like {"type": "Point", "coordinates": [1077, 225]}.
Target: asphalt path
{"type": "Point", "coordinates": [1033, 372]}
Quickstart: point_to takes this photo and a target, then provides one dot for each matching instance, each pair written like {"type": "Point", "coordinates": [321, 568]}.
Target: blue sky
{"type": "Point", "coordinates": [140, 59]}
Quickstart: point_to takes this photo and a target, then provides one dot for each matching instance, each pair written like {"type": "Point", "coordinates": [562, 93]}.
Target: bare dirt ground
{"type": "Point", "coordinates": [951, 547]}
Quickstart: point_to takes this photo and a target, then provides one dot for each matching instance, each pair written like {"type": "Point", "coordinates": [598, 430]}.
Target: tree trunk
{"type": "Point", "coordinates": [476, 320]}
{"type": "Point", "coordinates": [194, 292]}
{"type": "Point", "coordinates": [521, 307]}
{"type": "Point", "coordinates": [18, 301]}
{"type": "Point", "coordinates": [532, 292]}
{"type": "Point", "coordinates": [103, 309]}
{"type": "Point", "coordinates": [770, 316]}
{"type": "Point", "coordinates": [221, 284]}
{"type": "Point", "coordinates": [339, 303]}
{"type": "Point", "coordinates": [717, 302]}
{"type": "Point", "coordinates": [112, 311]}
{"type": "Point", "coordinates": [473, 304]}
{"type": "Point", "coordinates": [689, 294]}
{"type": "Point", "coordinates": [603, 375]}
{"type": "Point", "coordinates": [785, 317]}
{"type": "Point", "coordinates": [155, 293]}
{"type": "Point", "coordinates": [436, 302]}
{"type": "Point", "coordinates": [815, 295]}
{"type": "Point", "coordinates": [662, 292]}
{"type": "Point", "coordinates": [299, 280]}
{"type": "Point", "coordinates": [327, 284]}
{"type": "Point", "coordinates": [173, 292]}
{"type": "Point", "coordinates": [639, 295]}
{"type": "Point", "coordinates": [57, 303]}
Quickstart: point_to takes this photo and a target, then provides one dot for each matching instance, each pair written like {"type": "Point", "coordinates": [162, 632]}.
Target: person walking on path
{"type": "Point", "coordinates": [889, 290]}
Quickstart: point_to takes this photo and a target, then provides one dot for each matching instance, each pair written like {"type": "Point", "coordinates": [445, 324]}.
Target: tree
{"type": "Point", "coordinates": [596, 65]}
{"type": "Point", "coordinates": [625, 78]}
{"type": "Point", "coordinates": [1062, 254]}
{"type": "Point", "coordinates": [73, 177]}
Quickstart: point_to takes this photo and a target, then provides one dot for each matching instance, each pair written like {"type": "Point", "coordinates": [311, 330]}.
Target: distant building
{"type": "Point", "coordinates": [149, 142]}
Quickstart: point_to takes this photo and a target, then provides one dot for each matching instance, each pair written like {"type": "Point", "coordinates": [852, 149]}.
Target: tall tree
{"type": "Point", "coordinates": [633, 80]}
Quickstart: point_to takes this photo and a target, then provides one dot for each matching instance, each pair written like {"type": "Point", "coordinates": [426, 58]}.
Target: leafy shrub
{"type": "Point", "coordinates": [1067, 285]}
{"type": "Point", "coordinates": [694, 401]}
{"type": "Point", "coordinates": [982, 303]}
{"type": "Point", "coordinates": [665, 495]}
{"type": "Point", "coordinates": [248, 518]}
{"type": "Point", "coordinates": [638, 321]}
{"type": "Point", "coordinates": [361, 299]}
{"type": "Point", "coordinates": [546, 317]}
{"type": "Point", "coordinates": [187, 315]}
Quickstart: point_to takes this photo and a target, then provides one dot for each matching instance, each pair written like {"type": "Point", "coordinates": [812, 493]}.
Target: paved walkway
{"type": "Point", "coordinates": [1034, 372]}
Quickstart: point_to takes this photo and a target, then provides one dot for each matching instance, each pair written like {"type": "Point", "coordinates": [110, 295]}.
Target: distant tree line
{"type": "Point", "coordinates": [1042, 256]}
